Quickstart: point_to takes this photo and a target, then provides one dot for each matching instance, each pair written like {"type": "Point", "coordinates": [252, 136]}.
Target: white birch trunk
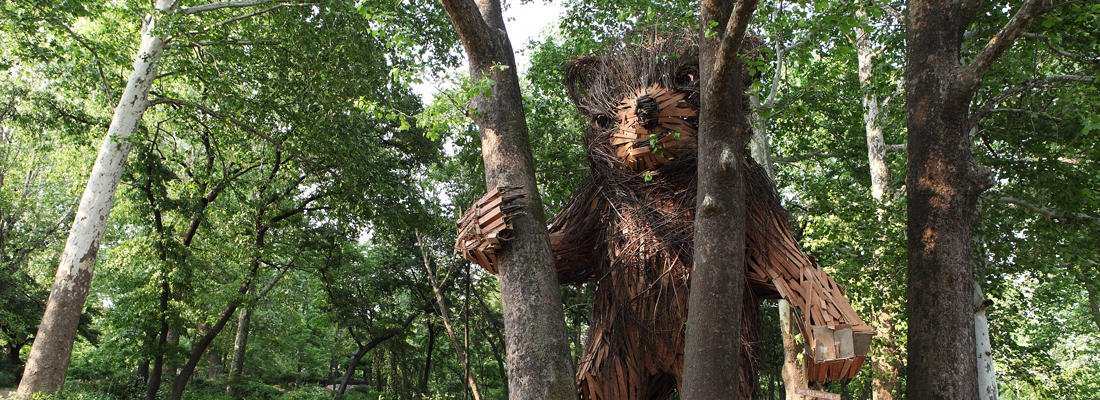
{"type": "Point", "coordinates": [758, 143]}
{"type": "Point", "coordinates": [240, 343]}
{"type": "Point", "coordinates": [872, 115]}
{"type": "Point", "coordinates": [49, 358]}
{"type": "Point", "coordinates": [884, 369]}
{"type": "Point", "coordinates": [987, 374]}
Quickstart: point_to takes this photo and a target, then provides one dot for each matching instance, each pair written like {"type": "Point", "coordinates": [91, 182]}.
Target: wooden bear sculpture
{"type": "Point", "coordinates": [628, 228]}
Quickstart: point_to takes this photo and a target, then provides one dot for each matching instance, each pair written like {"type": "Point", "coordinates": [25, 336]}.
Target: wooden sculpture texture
{"type": "Point", "coordinates": [628, 229]}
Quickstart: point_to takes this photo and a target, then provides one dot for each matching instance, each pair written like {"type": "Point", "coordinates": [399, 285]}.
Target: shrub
{"type": "Point", "coordinates": [307, 393]}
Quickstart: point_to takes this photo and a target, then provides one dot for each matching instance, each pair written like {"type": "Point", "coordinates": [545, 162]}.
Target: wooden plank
{"type": "Point", "coordinates": [845, 372]}
{"type": "Point", "coordinates": [835, 369]}
{"type": "Point", "coordinates": [861, 342]}
{"type": "Point", "coordinates": [843, 339]}
{"type": "Point", "coordinates": [824, 348]}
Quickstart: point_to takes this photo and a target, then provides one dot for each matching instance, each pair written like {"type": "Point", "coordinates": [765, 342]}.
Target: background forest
{"type": "Point", "coordinates": [285, 218]}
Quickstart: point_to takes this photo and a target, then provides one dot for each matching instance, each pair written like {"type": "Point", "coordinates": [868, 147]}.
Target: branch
{"type": "Point", "coordinates": [1022, 111]}
{"type": "Point", "coordinates": [807, 156]}
{"type": "Point", "coordinates": [771, 100]}
{"type": "Point", "coordinates": [99, 63]}
{"type": "Point", "coordinates": [1056, 215]}
{"type": "Point", "coordinates": [1045, 39]}
{"type": "Point", "coordinates": [988, 107]}
{"type": "Point", "coordinates": [214, 114]}
{"type": "Point", "coordinates": [242, 125]}
{"type": "Point", "coordinates": [249, 15]}
{"type": "Point", "coordinates": [892, 11]}
{"type": "Point", "coordinates": [896, 148]}
{"type": "Point", "coordinates": [1001, 41]}
{"type": "Point", "coordinates": [470, 25]}
{"type": "Point", "coordinates": [734, 34]}
{"type": "Point", "coordinates": [205, 43]}
{"type": "Point", "coordinates": [279, 275]}
{"type": "Point", "coordinates": [218, 6]}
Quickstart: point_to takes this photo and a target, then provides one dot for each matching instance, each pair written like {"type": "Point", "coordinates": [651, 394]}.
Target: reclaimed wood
{"type": "Point", "coordinates": [483, 226]}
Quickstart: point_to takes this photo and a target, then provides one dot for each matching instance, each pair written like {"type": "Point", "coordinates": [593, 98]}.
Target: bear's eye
{"type": "Point", "coordinates": [685, 79]}
{"type": "Point", "coordinates": [602, 121]}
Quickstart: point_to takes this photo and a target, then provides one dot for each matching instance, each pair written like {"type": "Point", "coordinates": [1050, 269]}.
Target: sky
{"type": "Point", "coordinates": [523, 22]}
{"type": "Point", "coordinates": [526, 21]}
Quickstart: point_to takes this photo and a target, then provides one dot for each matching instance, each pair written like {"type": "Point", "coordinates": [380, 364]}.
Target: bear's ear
{"type": "Point", "coordinates": [583, 78]}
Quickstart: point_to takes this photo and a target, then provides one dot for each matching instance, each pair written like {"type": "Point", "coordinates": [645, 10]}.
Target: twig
{"type": "Point", "coordinates": [221, 5]}
{"type": "Point", "coordinates": [1056, 215]}
{"type": "Point", "coordinates": [792, 159]}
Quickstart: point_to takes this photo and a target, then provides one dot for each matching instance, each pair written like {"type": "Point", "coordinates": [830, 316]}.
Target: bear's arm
{"type": "Point", "coordinates": [575, 236]}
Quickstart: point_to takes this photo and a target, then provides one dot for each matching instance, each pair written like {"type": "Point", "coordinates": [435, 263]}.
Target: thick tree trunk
{"type": "Point", "coordinates": [49, 358]}
{"type": "Point", "coordinates": [942, 188]}
{"type": "Point", "coordinates": [987, 374]}
{"type": "Point", "coordinates": [539, 366]}
{"type": "Point", "coordinates": [712, 344]}
{"type": "Point", "coordinates": [240, 343]}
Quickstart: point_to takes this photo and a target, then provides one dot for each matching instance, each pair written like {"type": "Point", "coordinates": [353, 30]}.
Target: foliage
{"type": "Point", "coordinates": [305, 117]}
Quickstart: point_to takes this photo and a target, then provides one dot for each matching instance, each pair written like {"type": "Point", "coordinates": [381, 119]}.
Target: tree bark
{"type": "Point", "coordinates": [792, 372]}
{"type": "Point", "coordinates": [153, 384]}
{"type": "Point", "coordinates": [428, 358]}
{"type": "Point", "coordinates": [759, 147]}
{"type": "Point", "coordinates": [885, 371]}
{"type": "Point", "coordinates": [943, 183]}
{"type": "Point", "coordinates": [1094, 303]}
{"type": "Point", "coordinates": [987, 374]}
{"type": "Point", "coordinates": [539, 366]}
{"type": "Point", "coordinates": [240, 343]}
{"type": "Point", "coordinates": [49, 358]}
{"type": "Point", "coordinates": [872, 113]}
{"type": "Point", "coordinates": [712, 344]}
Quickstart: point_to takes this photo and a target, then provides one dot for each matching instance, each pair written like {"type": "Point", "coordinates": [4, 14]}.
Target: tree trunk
{"type": "Point", "coordinates": [759, 147]}
{"type": "Point", "coordinates": [240, 343]}
{"type": "Point", "coordinates": [200, 347]}
{"type": "Point", "coordinates": [437, 291]}
{"type": "Point", "coordinates": [885, 371]}
{"type": "Point", "coordinates": [792, 372]}
{"type": "Point", "coordinates": [364, 349]}
{"type": "Point", "coordinates": [428, 357]}
{"type": "Point", "coordinates": [942, 188]}
{"type": "Point", "coordinates": [1094, 303]}
{"type": "Point", "coordinates": [537, 345]}
{"type": "Point", "coordinates": [712, 344]}
{"type": "Point", "coordinates": [49, 358]}
{"type": "Point", "coordinates": [153, 384]}
{"type": "Point", "coordinates": [987, 374]}
{"type": "Point", "coordinates": [872, 113]}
